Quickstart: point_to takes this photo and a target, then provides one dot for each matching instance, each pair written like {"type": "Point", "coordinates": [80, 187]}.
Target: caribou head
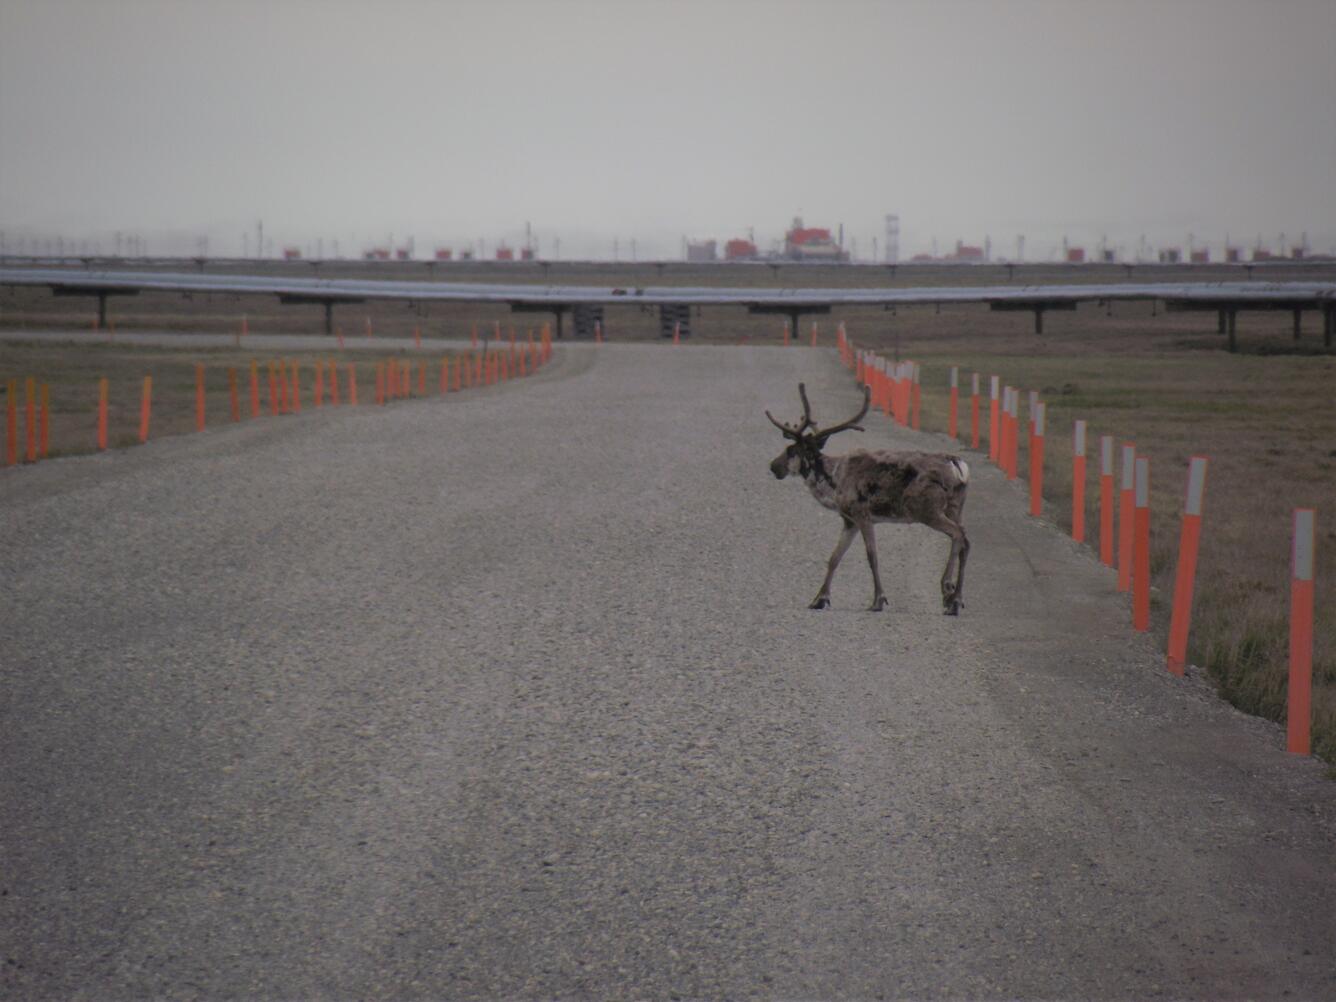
{"type": "Point", "coordinates": [804, 457]}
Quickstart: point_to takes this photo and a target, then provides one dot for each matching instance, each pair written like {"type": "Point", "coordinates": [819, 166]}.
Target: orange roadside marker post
{"type": "Point", "coordinates": [916, 389]}
{"type": "Point", "coordinates": [953, 403]}
{"type": "Point", "coordinates": [233, 398]}
{"type": "Point", "coordinates": [44, 422]}
{"type": "Point", "coordinates": [677, 332]}
{"type": "Point", "coordinates": [368, 325]}
{"type": "Point", "coordinates": [273, 389]}
{"type": "Point", "coordinates": [352, 385]}
{"type": "Point", "coordinates": [103, 389]}
{"type": "Point", "coordinates": [445, 376]}
{"type": "Point", "coordinates": [1300, 701]}
{"type": "Point", "coordinates": [473, 339]}
{"type": "Point", "coordinates": [1078, 481]}
{"type": "Point", "coordinates": [974, 411]}
{"type": "Point", "coordinates": [1015, 434]}
{"type": "Point", "coordinates": [993, 417]}
{"type": "Point", "coordinates": [1037, 463]}
{"type": "Point", "coordinates": [786, 333]}
{"type": "Point", "coordinates": [145, 409]}
{"type": "Point", "coordinates": [1010, 419]}
{"type": "Point", "coordinates": [417, 336]}
{"type": "Point", "coordinates": [1141, 549]}
{"type": "Point", "coordinates": [12, 423]}
{"type": "Point", "coordinates": [813, 333]}
{"type": "Point", "coordinates": [199, 398]}
{"type": "Point", "coordinates": [457, 380]}
{"type": "Point", "coordinates": [318, 399]}
{"type": "Point", "coordinates": [254, 389]}
{"type": "Point", "coordinates": [333, 383]}
{"type": "Point", "coordinates": [598, 332]}
{"type": "Point", "coordinates": [296, 388]}
{"type": "Point", "coordinates": [422, 379]}
{"type": "Point", "coordinates": [30, 413]}
{"type": "Point", "coordinates": [1186, 573]}
{"type": "Point", "coordinates": [1106, 500]}
{"type": "Point", "coordinates": [1126, 514]}
{"type": "Point", "coordinates": [380, 384]}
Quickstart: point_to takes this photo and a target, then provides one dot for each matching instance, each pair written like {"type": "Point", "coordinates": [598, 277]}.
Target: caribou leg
{"type": "Point", "coordinates": [952, 592]}
{"type": "Point", "coordinates": [822, 599]}
{"type": "Point", "coordinates": [870, 542]}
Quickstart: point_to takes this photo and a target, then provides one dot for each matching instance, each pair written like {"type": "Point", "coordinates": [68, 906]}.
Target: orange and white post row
{"type": "Point", "coordinates": [1078, 480]}
{"type": "Point", "coordinates": [1180, 618]}
{"type": "Point", "coordinates": [1299, 714]}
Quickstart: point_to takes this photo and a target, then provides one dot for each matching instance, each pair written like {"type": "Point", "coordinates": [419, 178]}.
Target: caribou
{"type": "Point", "coordinates": [881, 485]}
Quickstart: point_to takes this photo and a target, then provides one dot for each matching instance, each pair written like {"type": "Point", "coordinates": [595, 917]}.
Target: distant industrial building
{"type": "Point", "coordinates": [803, 243]}
{"type": "Point", "coordinates": [739, 249]}
{"type": "Point", "coordinates": [702, 251]}
{"type": "Point", "coordinates": [967, 253]}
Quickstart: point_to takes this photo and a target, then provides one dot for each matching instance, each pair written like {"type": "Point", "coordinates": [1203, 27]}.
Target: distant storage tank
{"type": "Point", "coordinates": [444, 253]}
{"type": "Point", "coordinates": [1171, 255]}
{"type": "Point", "coordinates": [964, 252]}
{"type": "Point", "coordinates": [1202, 256]}
{"type": "Point", "coordinates": [739, 249]}
{"type": "Point", "coordinates": [504, 253]}
{"type": "Point", "coordinates": [526, 254]}
{"type": "Point", "coordinates": [403, 253]}
{"type": "Point", "coordinates": [1076, 255]}
{"type": "Point", "coordinates": [1233, 255]}
{"type": "Point", "coordinates": [292, 253]}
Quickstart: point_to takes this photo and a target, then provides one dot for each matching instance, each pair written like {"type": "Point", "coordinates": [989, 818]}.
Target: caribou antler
{"type": "Point", "coordinates": [851, 424]}
{"type": "Point", "coordinates": [796, 432]}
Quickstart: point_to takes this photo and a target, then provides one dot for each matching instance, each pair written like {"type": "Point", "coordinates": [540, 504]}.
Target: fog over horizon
{"type": "Point", "coordinates": [179, 127]}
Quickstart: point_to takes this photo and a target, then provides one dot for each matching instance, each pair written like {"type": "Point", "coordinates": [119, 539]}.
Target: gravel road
{"type": "Point", "coordinates": [516, 695]}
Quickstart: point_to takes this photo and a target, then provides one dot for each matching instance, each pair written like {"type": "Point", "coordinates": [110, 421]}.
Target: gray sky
{"type": "Point", "coordinates": [455, 122]}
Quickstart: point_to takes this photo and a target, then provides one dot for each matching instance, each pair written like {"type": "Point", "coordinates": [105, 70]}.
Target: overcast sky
{"type": "Point", "coordinates": [452, 122]}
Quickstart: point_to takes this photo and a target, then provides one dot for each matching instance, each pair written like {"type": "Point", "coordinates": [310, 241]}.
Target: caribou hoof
{"type": "Point", "coordinates": [952, 607]}
{"type": "Point", "coordinates": [878, 604]}
{"type": "Point", "coordinates": [820, 602]}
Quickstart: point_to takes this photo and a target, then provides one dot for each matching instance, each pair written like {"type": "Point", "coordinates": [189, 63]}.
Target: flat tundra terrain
{"type": "Point", "coordinates": [517, 695]}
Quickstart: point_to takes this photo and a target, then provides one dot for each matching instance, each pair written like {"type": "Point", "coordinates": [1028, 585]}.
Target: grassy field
{"type": "Point", "coordinates": [1264, 417]}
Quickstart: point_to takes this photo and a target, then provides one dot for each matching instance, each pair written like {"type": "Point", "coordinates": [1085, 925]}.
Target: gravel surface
{"type": "Point", "coordinates": [516, 695]}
